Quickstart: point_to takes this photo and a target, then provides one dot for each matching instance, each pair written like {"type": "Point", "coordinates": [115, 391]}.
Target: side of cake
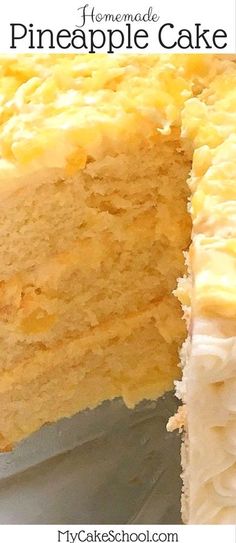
{"type": "Point", "coordinates": [209, 358]}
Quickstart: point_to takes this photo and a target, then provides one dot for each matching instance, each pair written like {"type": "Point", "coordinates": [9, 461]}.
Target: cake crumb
{"type": "Point", "coordinates": [178, 421]}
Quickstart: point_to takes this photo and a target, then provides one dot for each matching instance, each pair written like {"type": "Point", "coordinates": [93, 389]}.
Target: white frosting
{"type": "Point", "coordinates": [209, 386]}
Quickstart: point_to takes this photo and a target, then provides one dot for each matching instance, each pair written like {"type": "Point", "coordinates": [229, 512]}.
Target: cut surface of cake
{"type": "Point", "coordinates": [95, 154]}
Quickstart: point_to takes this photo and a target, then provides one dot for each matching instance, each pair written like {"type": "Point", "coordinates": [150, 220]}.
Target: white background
{"type": "Point", "coordinates": [56, 15]}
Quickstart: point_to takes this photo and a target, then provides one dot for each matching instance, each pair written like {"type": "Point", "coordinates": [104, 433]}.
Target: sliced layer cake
{"type": "Point", "coordinates": [95, 156]}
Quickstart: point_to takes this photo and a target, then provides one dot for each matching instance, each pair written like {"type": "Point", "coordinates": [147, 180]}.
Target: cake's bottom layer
{"type": "Point", "coordinates": [135, 358]}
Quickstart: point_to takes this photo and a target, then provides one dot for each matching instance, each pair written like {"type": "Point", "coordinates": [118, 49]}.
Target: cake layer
{"type": "Point", "coordinates": [68, 300]}
{"type": "Point", "coordinates": [52, 210]}
{"type": "Point", "coordinates": [134, 358]}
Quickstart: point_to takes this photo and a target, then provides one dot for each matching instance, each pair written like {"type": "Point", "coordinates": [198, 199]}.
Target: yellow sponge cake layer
{"type": "Point", "coordinates": [124, 358]}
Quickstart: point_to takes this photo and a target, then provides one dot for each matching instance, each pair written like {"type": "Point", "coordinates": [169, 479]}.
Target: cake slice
{"type": "Point", "coordinates": [91, 237]}
{"type": "Point", "coordinates": [95, 156]}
